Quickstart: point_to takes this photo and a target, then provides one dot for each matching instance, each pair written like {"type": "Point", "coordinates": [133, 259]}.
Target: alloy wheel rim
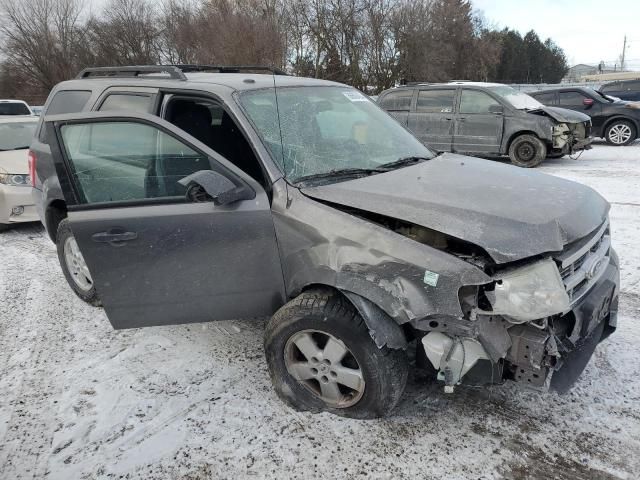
{"type": "Point", "coordinates": [620, 133]}
{"type": "Point", "coordinates": [325, 366]}
{"type": "Point", "coordinates": [76, 265]}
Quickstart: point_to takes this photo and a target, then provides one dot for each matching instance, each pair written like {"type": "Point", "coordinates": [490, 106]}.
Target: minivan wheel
{"type": "Point", "coordinates": [322, 358]}
{"type": "Point", "coordinates": [620, 133]}
{"type": "Point", "coordinates": [73, 265]}
{"type": "Point", "coordinates": [527, 151]}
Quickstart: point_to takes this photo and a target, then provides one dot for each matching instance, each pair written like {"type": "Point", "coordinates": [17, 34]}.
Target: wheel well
{"type": "Point", "coordinates": [522, 132]}
{"type": "Point", "coordinates": [617, 119]}
{"type": "Point", "coordinates": [56, 212]}
{"type": "Point", "coordinates": [383, 329]}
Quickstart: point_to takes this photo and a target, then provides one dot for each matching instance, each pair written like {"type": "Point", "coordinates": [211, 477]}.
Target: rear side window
{"type": "Point", "coordinates": [546, 98]}
{"type": "Point", "coordinates": [435, 101]}
{"type": "Point", "coordinates": [68, 101]}
{"type": "Point", "coordinates": [473, 101]}
{"type": "Point", "coordinates": [399, 100]}
{"type": "Point", "coordinates": [64, 101]}
{"type": "Point", "coordinates": [632, 86]}
{"type": "Point", "coordinates": [571, 99]}
{"type": "Point", "coordinates": [127, 102]}
{"type": "Point", "coordinates": [13, 108]}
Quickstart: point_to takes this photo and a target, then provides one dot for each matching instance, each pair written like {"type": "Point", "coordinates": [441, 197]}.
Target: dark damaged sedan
{"type": "Point", "coordinates": [487, 119]}
{"type": "Point", "coordinates": [307, 203]}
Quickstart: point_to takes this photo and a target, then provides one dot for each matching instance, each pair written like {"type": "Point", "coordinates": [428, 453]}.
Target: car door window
{"type": "Point", "coordinates": [397, 101]}
{"type": "Point", "coordinates": [115, 161]}
{"type": "Point", "coordinates": [473, 101]}
{"type": "Point", "coordinates": [127, 102]}
{"type": "Point", "coordinates": [571, 99]}
{"type": "Point", "coordinates": [435, 101]}
{"type": "Point", "coordinates": [546, 98]}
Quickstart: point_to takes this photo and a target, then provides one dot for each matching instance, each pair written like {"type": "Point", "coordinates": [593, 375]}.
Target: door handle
{"type": "Point", "coordinates": [462, 119]}
{"type": "Point", "coordinates": [115, 237]}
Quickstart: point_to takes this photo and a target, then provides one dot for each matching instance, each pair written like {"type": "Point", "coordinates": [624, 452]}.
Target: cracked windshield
{"type": "Point", "coordinates": [325, 132]}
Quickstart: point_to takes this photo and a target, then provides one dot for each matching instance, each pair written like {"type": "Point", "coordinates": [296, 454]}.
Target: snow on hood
{"type": "Point", "coordinates": [14, 161]}
{"type": "Point", "coordinates": [511, 212]}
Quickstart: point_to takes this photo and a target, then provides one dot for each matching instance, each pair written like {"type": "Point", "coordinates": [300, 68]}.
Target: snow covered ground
{"type": "Point", "coordinates": [79, 400]}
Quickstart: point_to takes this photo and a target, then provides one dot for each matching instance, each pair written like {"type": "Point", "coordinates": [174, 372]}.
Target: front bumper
{"type": "Point", "coordinates": [14, 197]}
{"type": "Point", "coordinates": [555, 358]}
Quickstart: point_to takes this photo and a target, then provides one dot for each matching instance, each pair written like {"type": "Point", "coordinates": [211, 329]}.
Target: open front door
{"type": "Point", "coordinates": [161, 251]}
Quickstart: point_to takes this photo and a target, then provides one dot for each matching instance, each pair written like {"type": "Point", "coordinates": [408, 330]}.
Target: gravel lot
{"type": "Point", "coordinates": [80, 400]}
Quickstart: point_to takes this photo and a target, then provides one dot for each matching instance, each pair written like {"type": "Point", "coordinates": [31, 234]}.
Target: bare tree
{"type": "Point", "coordinates": [42, 40]}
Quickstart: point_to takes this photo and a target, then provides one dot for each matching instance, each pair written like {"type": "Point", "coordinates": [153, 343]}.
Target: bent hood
{"type": "Point", "coordinates": [14, 161]}
{"type": "Point", "coordinates": [512, 213]}
{"type": "Point", "coordinates": [561, 114]}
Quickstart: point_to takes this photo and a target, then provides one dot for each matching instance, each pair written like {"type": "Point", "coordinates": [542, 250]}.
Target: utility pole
{"type": "Point", "coordinates": [624, 50]}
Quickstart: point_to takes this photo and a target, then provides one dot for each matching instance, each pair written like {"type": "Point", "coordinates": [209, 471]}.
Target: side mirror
{"type": "Point", "coordinates": [587, 102]}
{"type": "Point", "coordinates": [497, 109]}
{"type": "Point", "coordinates": [207, 185]}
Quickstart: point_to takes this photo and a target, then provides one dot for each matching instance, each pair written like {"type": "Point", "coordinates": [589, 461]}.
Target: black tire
{"type": "Point", "coordinates": [384, 370]}
{"type": "Point", "coordinates": [527, 151]}
{"type": "Point", "coordinates": [4, 227]}
{"type": "Point", "coordinates": [613, 134]}
{"type": "Point", "coordinates": [64, 232]}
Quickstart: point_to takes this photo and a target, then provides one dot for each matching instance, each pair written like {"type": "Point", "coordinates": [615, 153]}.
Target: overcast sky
{"type": "Point", "coordinates": [587, 30]}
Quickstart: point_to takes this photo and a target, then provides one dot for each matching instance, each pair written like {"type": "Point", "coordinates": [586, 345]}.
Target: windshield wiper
{"type": "Point", "coordinates": [342, 172]}
{"type": "Point", "coordinates": [401, 162]}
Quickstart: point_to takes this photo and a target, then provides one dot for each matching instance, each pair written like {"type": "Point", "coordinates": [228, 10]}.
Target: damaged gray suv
{"type": "Point", "coordinates": [196, 193]}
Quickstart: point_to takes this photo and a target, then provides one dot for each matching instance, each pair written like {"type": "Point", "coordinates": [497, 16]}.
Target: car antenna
{"type": "Point", "coordinates": [275, 91]}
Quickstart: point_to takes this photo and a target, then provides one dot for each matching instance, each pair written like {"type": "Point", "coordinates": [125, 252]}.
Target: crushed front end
{"type": "Point", "coordinates": [537, 323]}
{"type": "Point", "coordinates": [568, 138]}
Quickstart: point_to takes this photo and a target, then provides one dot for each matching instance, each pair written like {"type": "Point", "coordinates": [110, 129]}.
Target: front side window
{"type": "Point", "coordinates": [473, 101]}
{"type": "Point", "coordinates": [325, 129]}
{"type": "Point", "coordinates": [116, 161]}
{"type": "Point", "coordinates": [571, 99]}
{"type": "Point", "coordinates": [16, 135]}
{"type": "Point", "coordinates": [435, 101]}
{"type": "Point", "coordinates": [546, 98]}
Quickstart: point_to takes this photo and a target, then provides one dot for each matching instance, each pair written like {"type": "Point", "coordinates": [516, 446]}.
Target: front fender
{"type": "Point", "coordinates": [407, 280]}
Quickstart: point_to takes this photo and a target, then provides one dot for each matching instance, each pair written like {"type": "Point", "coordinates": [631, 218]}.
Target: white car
{"type": "Point", "coordinates": [16, 204]}
{"type": "Point", "coordinates": [14, 107]}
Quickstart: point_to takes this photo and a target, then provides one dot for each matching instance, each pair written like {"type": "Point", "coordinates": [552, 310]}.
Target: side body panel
{"type": "Point", "coordinates": [323, 245]}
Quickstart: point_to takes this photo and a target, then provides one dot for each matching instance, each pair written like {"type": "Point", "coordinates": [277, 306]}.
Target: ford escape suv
{"type": "Point", "coordinates": [487, 119]}
{"type": "Point", "coordinates": [197, 193]}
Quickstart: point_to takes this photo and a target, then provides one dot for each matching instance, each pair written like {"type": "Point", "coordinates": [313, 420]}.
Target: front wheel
{"type": "Point", "coordinates": [73, 265]}
{"type": "Point", "coordinates": [322, 358]}
{"type": "Point", "coordinates": [620, 133]}
{"type": "Point", "coordinates": [527, 151]}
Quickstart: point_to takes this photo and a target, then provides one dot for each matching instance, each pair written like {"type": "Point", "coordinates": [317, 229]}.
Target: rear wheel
{"type": "Point", "coordinates": [527, 151]}
{"type": "Point", "coordinates": [73, 265]}
{"type": "Point", "coordinates": [322, 358]}
{"type": "Point", "coordinates": [620, 133]}
{"type": "Point", "coordinates": [4, 227]}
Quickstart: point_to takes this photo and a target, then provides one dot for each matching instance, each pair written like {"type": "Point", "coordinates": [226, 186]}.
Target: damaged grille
{"type": "Point", "coordinates": [582, 264]}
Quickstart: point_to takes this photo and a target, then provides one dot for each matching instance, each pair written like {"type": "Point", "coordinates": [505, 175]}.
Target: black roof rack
{"type": "Point", "coordinates": [230, 68]}
{"type": "Point", "coordinates": [175, 72]}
